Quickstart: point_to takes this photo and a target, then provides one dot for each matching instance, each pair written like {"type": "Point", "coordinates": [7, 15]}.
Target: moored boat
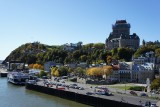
{"type": "Point", "coordinates": [18, 78]}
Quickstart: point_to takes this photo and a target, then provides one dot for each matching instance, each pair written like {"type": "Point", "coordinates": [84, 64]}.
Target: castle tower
{"type": "Point", "coordinates": [121, 27]}
{"type": "Point", "coordinates": [120, 36]}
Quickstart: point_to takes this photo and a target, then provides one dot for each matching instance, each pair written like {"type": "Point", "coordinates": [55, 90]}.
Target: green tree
{"type": "Point", "coordinates": [125, 53]}
{"type": "Point", "coordinates": [143, 42]}
{"type": "Point", "coordinates": [99, 45]}
{"type": "Point", "coordinates": [155, 84]}
{"type": "Point", "coordinates": [80, 71]}
{"type": "Point", "coordinates": [63, 71]}
{"type": "Point", "coordinates": [157, 52]}
{"type": "Point", "coordinates": [83, 58]}
{"type": "Point", "coordinates": [14, 66]}
{"type": "Point", "coordinates": [42, 73]}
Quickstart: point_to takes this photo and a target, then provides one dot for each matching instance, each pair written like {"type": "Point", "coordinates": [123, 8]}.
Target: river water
{"type": "Point", "coordinates": [17, 96]}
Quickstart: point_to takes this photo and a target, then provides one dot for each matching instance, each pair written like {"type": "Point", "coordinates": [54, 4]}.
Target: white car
{"type": "Point", "coordinates": [153, 105]}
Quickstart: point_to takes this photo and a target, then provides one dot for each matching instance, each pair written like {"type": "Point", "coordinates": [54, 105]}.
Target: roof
{"type": "Point", "coordinates": [115, 67]}
{"type": "Point", "coordinates": [121, 21]}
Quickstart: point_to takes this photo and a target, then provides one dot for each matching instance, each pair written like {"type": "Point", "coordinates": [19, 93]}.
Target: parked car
{"type": "Point", "coordinates": [81, 88]}
{"type": "Point", "coordinates": [133, 93]}
{"type": "Point", "coordinates": [44, 77]}
{"type": "Point", "coordinates": [63, 81]}
{"type": "Point", "coordinates": [32, 82]}
{"type": "Point", "coordinates": [153, 105]}
{"type": "Point", "coordinates": [143, 95]}
{"type": "Point", "coordinates": [73, 86]}
{"type": "Point", "coordinates": [89, 93]}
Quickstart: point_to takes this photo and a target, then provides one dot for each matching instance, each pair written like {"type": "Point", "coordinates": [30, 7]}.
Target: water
{"type": "Point", "coordinates": [17, 96]}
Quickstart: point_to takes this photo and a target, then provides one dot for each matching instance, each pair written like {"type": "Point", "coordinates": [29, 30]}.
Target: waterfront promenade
{"type": "Point", "coordinates": [136, 100]}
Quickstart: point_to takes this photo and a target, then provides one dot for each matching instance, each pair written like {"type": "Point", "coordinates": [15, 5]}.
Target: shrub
{"type": "Point", "coordinates": [137, 88]}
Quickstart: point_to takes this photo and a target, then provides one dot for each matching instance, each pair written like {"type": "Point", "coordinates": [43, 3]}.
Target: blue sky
{"type": "Point", "coordinates": [55, 22]}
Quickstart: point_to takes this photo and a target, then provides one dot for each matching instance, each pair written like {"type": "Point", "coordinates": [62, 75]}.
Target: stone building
{"type": "Point", "coordinates": [140, 73]}
{"type": "Point", "coordinates": [120, 36]}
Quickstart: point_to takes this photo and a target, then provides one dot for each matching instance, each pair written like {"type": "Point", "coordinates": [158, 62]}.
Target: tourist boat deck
{"type": "Point", "coordinates": [18, 78]}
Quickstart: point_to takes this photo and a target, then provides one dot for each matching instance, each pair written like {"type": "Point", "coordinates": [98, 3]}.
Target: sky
{"type": "Point", "coordinates": [56, 22]}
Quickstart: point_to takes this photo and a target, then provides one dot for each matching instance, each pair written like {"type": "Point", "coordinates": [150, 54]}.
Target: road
{"type": "Point", "coordinates": [117, 97]}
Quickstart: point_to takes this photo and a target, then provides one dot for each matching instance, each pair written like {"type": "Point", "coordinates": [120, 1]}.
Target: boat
{"type": "Point", "coordinates": [18, 78]}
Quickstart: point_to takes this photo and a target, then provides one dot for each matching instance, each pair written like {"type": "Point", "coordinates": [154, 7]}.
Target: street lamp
{"type": "Point", "coordinates": [125, 87]}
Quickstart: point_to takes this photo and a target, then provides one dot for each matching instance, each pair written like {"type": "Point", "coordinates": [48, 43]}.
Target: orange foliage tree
{"type": "Point", "coordinates": [99, 71]}
{"type": "Point", "coordinates": [107, 70]}
{"type": "Point", "coordinates": [94, 71]}
{"type": "Point", "coordinates": [36, 66]}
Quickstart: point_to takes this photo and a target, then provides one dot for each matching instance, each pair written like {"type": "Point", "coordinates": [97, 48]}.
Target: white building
{"type": "Point", "coordinates": [140, 73]}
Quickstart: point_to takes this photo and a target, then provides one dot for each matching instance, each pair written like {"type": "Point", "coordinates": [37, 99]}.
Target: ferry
{"type": "Point", "coordinates": [17, 78]}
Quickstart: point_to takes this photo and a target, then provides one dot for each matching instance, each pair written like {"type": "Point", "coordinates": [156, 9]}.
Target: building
{"type": "Point", "coordinates": [72, 46]}
{"type": "Point", "coordinates": [48, 65]}
{"type": "Point", "coordinates": [120, 36]}
{"type": "Point", "coordinates": [149, 57]}
{"type": "Point", "coordinates": [140, 73]}
{"type": "Point", "coordinates": [125, 71]}
{"type": "Point", "coordinates": [114, 77]}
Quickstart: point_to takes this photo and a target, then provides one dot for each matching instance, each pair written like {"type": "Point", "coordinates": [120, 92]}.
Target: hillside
{"type": "Point", "coordinates": [40, 53]}
{"type": "Point", "coordinates": [30, 52]}
{"type": "Point", "coordinates": [36, 52]}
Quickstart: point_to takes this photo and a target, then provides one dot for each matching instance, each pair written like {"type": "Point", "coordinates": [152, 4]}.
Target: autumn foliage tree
{"type": "Point", "coordinates": [99, 71]}
{"type": "Point", "coordinates": [94, 71]}
{"type": "Point", "coordinates": [36, 66]}
{"type": "Point", "coordinates": [109, 59]}
{"type": "Point", "coordinates": [61, 71]}
{"type": "Point", "coordinates": [107, 70]}
{"type": "Point", "coordinates": [54, 71]}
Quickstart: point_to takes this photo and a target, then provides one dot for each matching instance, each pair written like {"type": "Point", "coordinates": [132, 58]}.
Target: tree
{"type": "Point", "coordinates": [94, 71]}
{"type": "Point", "coordinates": [70, 70]}
{"type": "Point", "coordinates": [104, 54]}
{"type": "Point", "coordinates": [107, 70]}
{"type": "Point", "coordinates": [31, 66]}
{"type": "Point", "coordinates": [109, 59]}
{"type": "Point", "coordinates": [99, 45]}
{"type": "Point", "coordinates": [143, 42]}
{"type": "Point", "coordinates": [56, 73]}
{"type": "Point", "coordinates": [125, 53]}
{"type": "Point", "coordinates": [143, 50]}
{"type": "Point", "coordinates": [157, 52]}
{"type": "Point", "coordinates": [14, 66]}
{"type": "Point", "coordinates": [155, 84]}
{"type": "Point", "coordinates": [79, 71]}
{"type": "Point", "coordinates": [63, 71]}
{"type": "Point", "coordinates": [83, 58]}
{"type": "Point", "coordinates": [37, 66]}
{"type": "Point", "coordinates": [42, 73]}
{"type": "Point", "coordinates": [76, 54]}
{"type": "Point", "coordinates": [114, 51]}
